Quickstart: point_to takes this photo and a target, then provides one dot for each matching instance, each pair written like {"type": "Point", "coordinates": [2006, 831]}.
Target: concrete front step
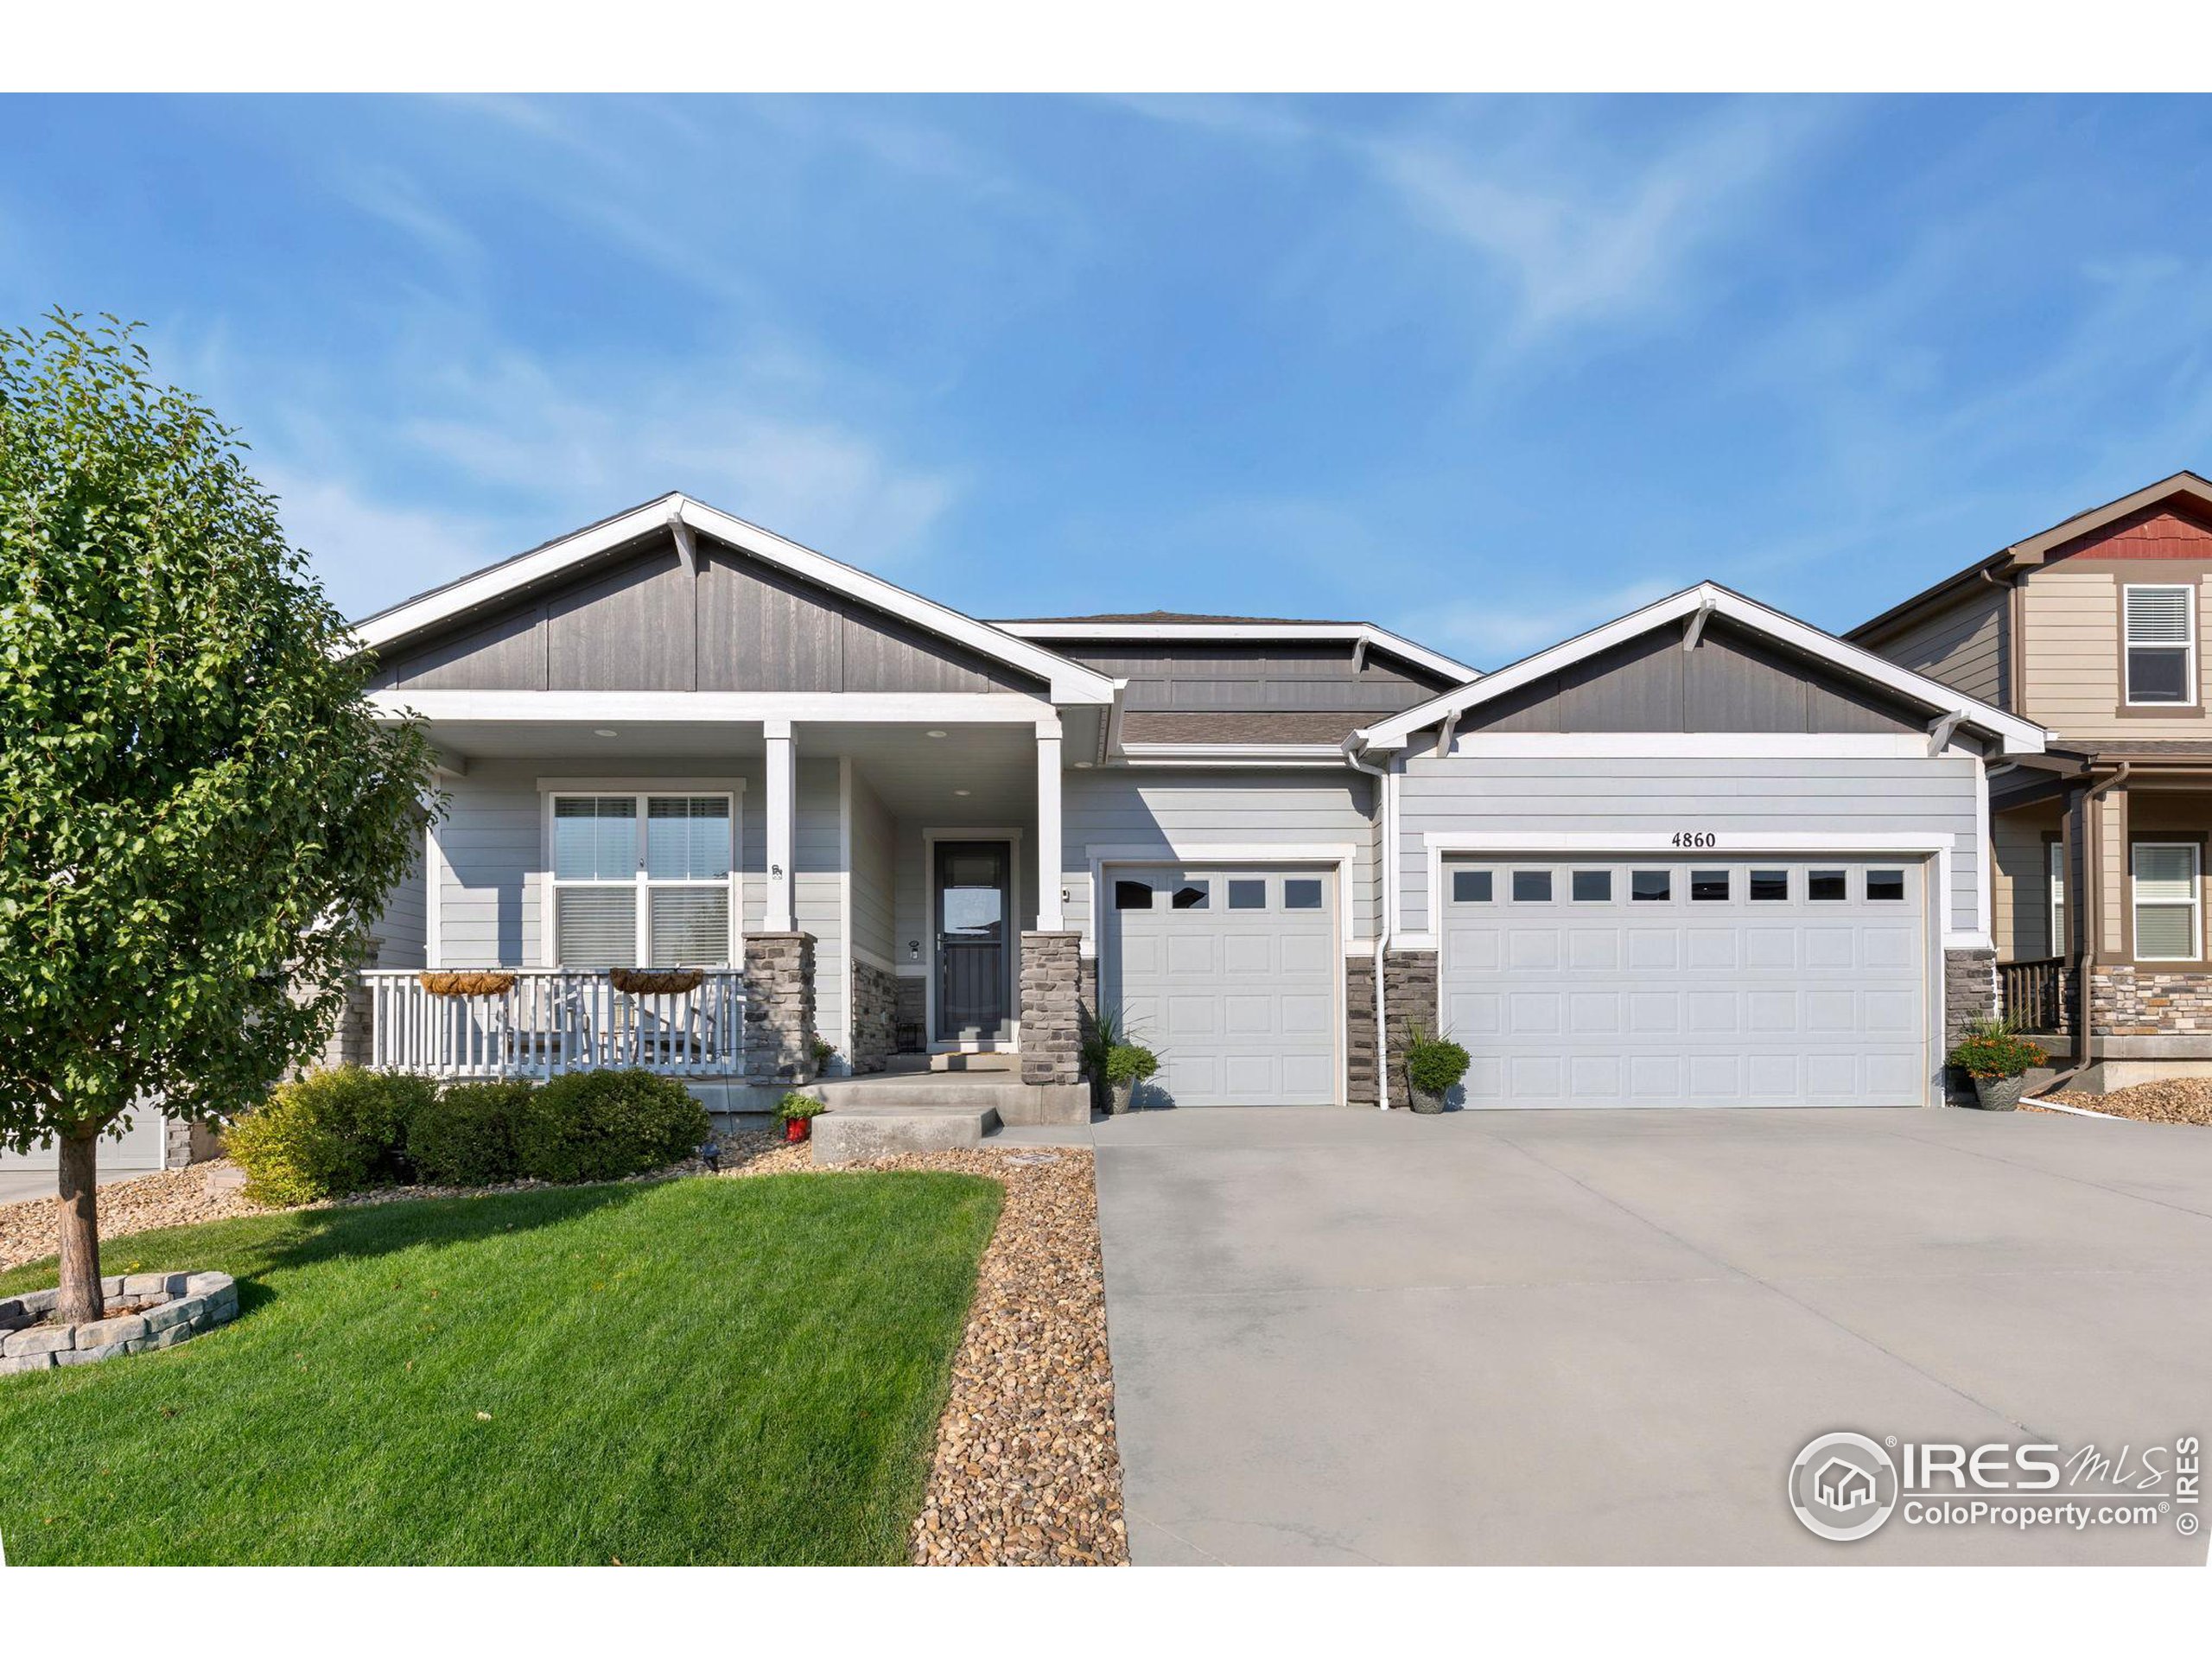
{"type": "Point", "coordinates": [845, 1134]}
{"type": "Point", "coordinates": [1012, 1102]}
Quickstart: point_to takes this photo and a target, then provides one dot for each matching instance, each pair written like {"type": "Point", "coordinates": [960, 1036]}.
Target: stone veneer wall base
{"type": "Point", "coordinates": [1052, 1035]}
{"type": "Point", "coordinates": [779, 1007]}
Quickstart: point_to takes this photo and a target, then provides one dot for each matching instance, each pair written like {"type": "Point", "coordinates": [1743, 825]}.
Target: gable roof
{"type": "Point", "coordinates": [2033, 551]}
{"type": "Point", "coordinates": [1071, 682]}
{"type": "Point", "coordinates": [2018, 736]}
{"type": "Point", "coordinates": [1186, 626]}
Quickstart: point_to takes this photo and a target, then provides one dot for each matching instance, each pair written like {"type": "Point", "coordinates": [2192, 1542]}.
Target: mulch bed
{"type": "Point", "coordinates": [2173, 1100]}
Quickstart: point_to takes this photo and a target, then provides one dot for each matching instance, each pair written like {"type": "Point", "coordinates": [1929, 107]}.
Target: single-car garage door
{"type": "Point", "coordinates": [1229, 975]}
{"type": "Point", "coordinates": [139, 1149]}
{"type": "Point", "coordinates": [1721, 982]}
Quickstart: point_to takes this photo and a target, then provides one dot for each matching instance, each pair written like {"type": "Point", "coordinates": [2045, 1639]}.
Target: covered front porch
{"type": "Point", "coordinates": [826, 893]}
{"type": "Point", "coordinates": [2100, 910]}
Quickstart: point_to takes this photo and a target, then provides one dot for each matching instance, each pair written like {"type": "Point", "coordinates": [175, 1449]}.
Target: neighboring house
{"type": "Point", "coordinates": [2094, 629]}
{"type": "Point", "coordinates": [1704, 855]}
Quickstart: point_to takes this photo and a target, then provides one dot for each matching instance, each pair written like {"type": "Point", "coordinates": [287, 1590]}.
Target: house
{"type": "Point", "coordinates": [2093, 629]}
{"type": "Point", "coordinates": [1843, 1485]}
{"type": "Point", "coordinates": [1706, 855]}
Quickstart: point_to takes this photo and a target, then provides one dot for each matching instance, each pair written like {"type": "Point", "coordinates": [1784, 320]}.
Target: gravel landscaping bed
{"type": "Point", "coordinates": [1027, 1471]}
{"type": "Point", "coordinates": [2176, 1100]}
{"type": "Point", "coordinates": [173, 1198]}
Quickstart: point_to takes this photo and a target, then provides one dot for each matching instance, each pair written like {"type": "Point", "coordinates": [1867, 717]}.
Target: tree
{"type": "Point", "coordinates": [199, 814]}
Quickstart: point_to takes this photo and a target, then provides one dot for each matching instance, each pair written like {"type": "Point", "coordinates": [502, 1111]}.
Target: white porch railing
{"type": "Point", "coordinates": [552, 1021]}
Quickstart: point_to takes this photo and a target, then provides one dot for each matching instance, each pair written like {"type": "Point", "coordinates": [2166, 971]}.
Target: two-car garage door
{"type": "Point", "coordinates": [1687, 983]}
{"type": "Point", "coordinates": [1229, 975]}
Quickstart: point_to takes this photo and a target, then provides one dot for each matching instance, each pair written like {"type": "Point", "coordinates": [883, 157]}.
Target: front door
{"type": "Point", "coordinates": [972, 883]}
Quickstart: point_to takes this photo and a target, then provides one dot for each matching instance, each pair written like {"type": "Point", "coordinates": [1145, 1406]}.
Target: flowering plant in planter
{"type": "Point", "coordinates": [1995, 1056]}
{"type": "Point", "coordinates": [1433, 1068]}
{"type": "Point", "coordinates": [797, 1113]}
{"type": "Point", "coordinates": [1127, 1065]}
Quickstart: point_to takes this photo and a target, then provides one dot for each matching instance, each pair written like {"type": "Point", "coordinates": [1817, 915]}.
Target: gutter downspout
{"type": "Point", "coordinates": [1351, 745]}
{"type": "Point", "coordinates": [2091, 918]}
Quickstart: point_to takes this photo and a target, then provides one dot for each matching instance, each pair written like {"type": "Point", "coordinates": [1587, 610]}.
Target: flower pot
{"type": "Point", "coordinates": [797, 1129]}
{"type": "Point", "coordinates": [1120, 1096]}
{"type": "Point", "coordinates": [1427, 1104]}
{"type": "Point", "coordinates": [1998, 1094]}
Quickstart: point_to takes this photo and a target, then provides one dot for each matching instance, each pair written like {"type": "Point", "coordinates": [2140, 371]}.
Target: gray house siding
{"type": "Point", "coordinates": [641, 622]}
{"type": "Point", "coordinates": [1278, 676]}
{"type": "Point", "coordinates": [875, 838]}
{"type": "Point", "coordinates": [1160, 811]}
{"type": "Point", "coordinates": [400, 928]}
{"type": "Point", "coordinates": [1731, 682]}
{"type": "Point", "coordinates": [1657, 795]}
{"type": "Point", "coordinates": [1964, 644]}
{"type": "Point", "coordinates": [490, 861]}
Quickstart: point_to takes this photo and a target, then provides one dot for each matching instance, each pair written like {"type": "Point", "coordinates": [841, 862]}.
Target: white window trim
{"type": "Point", "coordinates": [2127, 677]}
{"type": "Point", "coordinates": [2055, 895]}
{"type": "Point", "coordinates": [641, 791]}
{"type": "Point", "coordinates": [2196, 902]}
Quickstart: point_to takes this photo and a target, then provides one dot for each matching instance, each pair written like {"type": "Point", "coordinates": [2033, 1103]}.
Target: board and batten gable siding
{"type": "Point", "coordinates": [1731, 682]}
{"type": "Point", "coordinates": [1738, 799]}
{"type": "Point", "coordinates": [1282, 677]}
{"type": "Point", "coordinates": [641, 622]}
{"type": "Point", "coordinates": [1964, 643]}
{"type": "Point", "coordinates": [1176, 814]}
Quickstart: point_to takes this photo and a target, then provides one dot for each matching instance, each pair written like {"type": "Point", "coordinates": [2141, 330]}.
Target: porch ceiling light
{"type": "Point", "coordinates": [602, 731]}
{"type": "Point", "coordinates": [960, 792]}
{"type": "Point", "coordinates": [932, 732]}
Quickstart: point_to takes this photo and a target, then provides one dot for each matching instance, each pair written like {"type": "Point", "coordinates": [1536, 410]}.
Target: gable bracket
{"type": "Point", "coordinates": [1446, 732]}
{"type": "Point", "coordinates": [1939, 731]}
{"type": "Point", "coordinates": [686, 541]}
{"type": "Point", "coordinates": [1696, 631]}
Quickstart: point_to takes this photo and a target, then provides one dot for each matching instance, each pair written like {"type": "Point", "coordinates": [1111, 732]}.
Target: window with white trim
{"type": "Point", "coordinates": [2058, 855]}
{"type": "Point", "coordinates": [2165, 883]}
{"type": "Point", "coordinates": [642, 880]}
{"type": "Point", "coordinates": [2160, 628]}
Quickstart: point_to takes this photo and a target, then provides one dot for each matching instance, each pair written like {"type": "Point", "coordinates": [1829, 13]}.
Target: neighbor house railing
{"type": "Point", "coordinates": [2029, 992]}
{"type": "Point", "coordinates": [552, 1021]}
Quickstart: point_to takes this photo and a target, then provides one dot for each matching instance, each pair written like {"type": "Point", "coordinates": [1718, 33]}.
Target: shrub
{"type": "Point", "coordinates": [795, 1106]}
{"type": "Point", "coordinates": [600, 1126]}
{"type": "Point", "coordinates": [1103, 1033]}
{"type": "Point", "coordinates": [328, 1134]}
{"type": "Point", "coordinates": [1991, 1048]}
{"type": "Point", "coordinates": [466, 1136]}
{"type": "Point", "coordinates": [1130, 1063]}
{"type": "Point", "coordinates": [1435, 1064]}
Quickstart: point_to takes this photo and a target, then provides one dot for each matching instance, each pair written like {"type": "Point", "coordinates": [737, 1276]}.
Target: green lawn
{"type": "Point", "coordinates": [693, 1372]}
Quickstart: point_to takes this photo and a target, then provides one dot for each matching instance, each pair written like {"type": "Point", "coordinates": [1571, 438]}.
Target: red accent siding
{"type": "Point", "coordinates": [2152, 533]}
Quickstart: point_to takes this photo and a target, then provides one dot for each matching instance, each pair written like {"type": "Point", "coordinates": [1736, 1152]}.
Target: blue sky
{"type": "Point", "coordinates": [1486, 370]}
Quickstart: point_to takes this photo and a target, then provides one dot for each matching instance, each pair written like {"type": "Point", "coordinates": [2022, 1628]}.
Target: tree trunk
{"type": "Point", "coordinates": [81, 1231]}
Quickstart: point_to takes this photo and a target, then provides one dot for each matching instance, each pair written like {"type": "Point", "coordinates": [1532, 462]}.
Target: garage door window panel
{"type": "Point", "coordinates": [2168, 920]}
{"type": "Point", "coordinates": [1709, 886]}
{"type": "Point", "coordinates": [1827, 887]}
{"type": "Point", "coordinates": [1132, 895]}
{"type": "Point", "coordinates": [1302, 894]}
{"type": "Point", "coordinates": [1591, 887]}
{"type": "Point", "coordinates": [1651, 886]}
{"type": "Point", "coordinates": [1192, 895]}
{"type": "Point", "coordinates": [1769, 887]}
{"type": "Point", "coordinates": [1532, 886]}
{"type": "Point", "coordinates": [1247, 896]}
{"type": "Point", "coordinates": [1471, 887]}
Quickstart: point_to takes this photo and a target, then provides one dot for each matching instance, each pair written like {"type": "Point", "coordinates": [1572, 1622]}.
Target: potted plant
{"type": "Point", "coordinates": [1433, 1068]}
{"type": "Point", "coordinates": [1998, 1058]}
{"type": "Point", "coordinates": [1127, 1065]}
{"type": "Point", "coordinates": [797, 1113]}
{"type": "Point", "coordinates": [1103, 1033]}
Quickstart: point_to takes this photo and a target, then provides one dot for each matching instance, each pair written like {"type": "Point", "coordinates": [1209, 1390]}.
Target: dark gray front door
{"type": "Point", "coordinates": [972, 891]}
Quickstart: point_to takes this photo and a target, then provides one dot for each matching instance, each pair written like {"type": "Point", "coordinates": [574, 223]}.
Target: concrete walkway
{"type": "Point", "coordinates": [1602, 1336]}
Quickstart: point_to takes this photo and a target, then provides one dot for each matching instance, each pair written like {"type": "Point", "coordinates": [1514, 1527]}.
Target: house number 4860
{"type": "Point", "coordinates": [1696, 839]}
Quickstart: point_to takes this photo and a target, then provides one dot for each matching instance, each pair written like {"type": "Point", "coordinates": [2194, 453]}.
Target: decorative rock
{"type": "Point", "coordinates": [39, 1301]}
{"type": "Point", "coordinates": [146, 1284]}
{"type": "Point", "coordinates": [10, 1367]}
{"type": "Point", "coordinates": [43, 1339]}
{"type": "Point", "coordinates": [99, 1333]}
{"type": "Point", "coordinates": [169, 1313]}
{"type": "Point", "coordinates": [90, 1356]}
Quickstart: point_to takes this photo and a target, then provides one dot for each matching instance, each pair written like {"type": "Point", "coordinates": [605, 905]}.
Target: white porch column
{"type": "Point", "coordinates": [1048, 826]}
{"type": "Point", "coordinates": [781, 914]}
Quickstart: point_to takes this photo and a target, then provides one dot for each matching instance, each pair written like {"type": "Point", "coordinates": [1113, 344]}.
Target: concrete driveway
{"type": "Point", "coordinates": [17, 1184]}
{"type": "Point", "coordinates": [1603, 1336]}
